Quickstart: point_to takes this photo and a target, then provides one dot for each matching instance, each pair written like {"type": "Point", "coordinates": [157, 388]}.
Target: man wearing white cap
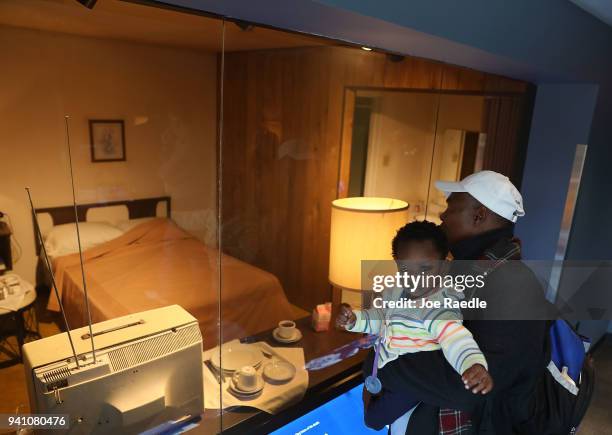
{"type": "Point", "coordinates": [479, 222]}
{"type": "Point", "coordinates": [479, 203]}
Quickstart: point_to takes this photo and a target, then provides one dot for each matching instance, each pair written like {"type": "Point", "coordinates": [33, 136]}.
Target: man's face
{"type": "Point", "coordinates": [460, 217]}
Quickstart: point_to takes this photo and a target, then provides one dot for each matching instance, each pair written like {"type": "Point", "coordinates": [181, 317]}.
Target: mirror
{"type": "Point", "coordinates": [402, 141]}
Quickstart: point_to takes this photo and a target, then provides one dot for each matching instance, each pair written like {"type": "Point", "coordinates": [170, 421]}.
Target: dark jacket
{"type": "Point", "coordinates": [516, 350]}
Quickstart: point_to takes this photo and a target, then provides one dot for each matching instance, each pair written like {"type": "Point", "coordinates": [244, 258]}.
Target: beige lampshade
{"type": "Point", "coordinates": [362, 229]}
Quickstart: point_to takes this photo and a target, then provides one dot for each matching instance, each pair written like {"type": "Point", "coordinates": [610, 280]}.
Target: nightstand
{"type": "Point", "coordinates": [6, 258]}
{"type": "Point", "coordinates": [18, 320]}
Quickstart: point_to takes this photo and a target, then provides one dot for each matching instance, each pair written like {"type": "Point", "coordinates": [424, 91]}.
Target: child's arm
{"type": "Point", "coordinates": [368, 321]}
{"type": "Point", "coordinates": [463, 353]}
{"type": "Point", "coordinates": [457, 343]}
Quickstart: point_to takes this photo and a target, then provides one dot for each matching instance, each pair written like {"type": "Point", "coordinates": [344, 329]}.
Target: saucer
{"type": "Point", "coordinates": [236, 390]}
{"type": "Point", "coordinates": [297, 336]}
{"type": "Point", "coordinates": [279, 371]}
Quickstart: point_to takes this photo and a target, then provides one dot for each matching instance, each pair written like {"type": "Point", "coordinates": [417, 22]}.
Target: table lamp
{"type": "Point", "coordinates": [362, 228]}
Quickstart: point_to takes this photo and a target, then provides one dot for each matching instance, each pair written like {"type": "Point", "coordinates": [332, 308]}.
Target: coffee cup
{"type": "Point", "coordinates": [286, 329]}
{"type": "Point", "coordinates": [245, 378]}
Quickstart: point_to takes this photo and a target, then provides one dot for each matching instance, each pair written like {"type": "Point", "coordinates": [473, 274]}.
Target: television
{"type": "Point", "coordinates": [148, 371]}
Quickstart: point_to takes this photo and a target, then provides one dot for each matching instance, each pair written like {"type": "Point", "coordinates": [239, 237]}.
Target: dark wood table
{"type": "Point", "coordinates": [22, 324]}
{"type": "Point", "coordinates": [323, 385]}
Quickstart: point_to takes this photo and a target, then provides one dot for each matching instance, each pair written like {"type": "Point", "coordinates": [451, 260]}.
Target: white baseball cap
{"type": "Point", "coordinates": [493, 190]}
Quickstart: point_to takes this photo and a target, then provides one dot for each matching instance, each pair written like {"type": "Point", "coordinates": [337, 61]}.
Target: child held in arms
{"type": "Point", "coordinates": [419, 248]}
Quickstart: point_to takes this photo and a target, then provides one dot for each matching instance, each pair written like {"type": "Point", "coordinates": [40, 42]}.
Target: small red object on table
{"type": "Point", "coordinates": [321, 317]}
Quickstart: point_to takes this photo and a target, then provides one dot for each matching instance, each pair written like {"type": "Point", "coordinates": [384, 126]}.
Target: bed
{"type": "Point", "coordinates": [152, 263]}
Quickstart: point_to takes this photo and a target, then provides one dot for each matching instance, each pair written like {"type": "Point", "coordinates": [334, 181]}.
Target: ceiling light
{"type": "Point", "coordinates": [366, 48]}
{"type": "Point", "coordinates": [88, 3]}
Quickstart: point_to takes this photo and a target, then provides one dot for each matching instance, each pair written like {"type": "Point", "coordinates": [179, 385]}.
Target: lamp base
{"type": "Point", "coordinates": [356, 299]}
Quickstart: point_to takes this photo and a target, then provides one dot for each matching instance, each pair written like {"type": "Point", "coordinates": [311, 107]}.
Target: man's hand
{"type": "Point", "coordinates": [478, 379]}
{"type": "Point", "coordinates": [345, 318]}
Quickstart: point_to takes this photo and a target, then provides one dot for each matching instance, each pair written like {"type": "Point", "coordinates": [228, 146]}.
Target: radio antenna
{"type": "Point", "coordinates": [76, 221]}
{"type": "Point", "coordinates": [50, 269]}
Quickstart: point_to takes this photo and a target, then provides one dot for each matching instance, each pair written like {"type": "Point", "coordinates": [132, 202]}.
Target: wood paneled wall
{"type": "Point", "coordinates": [506, 121]}
{"type": "Point", "coordinates": [283, 114]}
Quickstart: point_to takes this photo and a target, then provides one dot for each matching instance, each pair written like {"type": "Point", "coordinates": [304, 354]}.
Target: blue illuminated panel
{"type": "Point", "coordinates": [342, 415]}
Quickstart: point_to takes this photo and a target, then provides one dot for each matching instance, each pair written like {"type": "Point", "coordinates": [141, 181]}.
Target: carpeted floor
{"type": "Point", "coordinates": [14, 396]}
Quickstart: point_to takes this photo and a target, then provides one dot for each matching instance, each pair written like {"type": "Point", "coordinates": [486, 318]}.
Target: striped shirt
{"type": "Point", "coordinates": [410, 330]}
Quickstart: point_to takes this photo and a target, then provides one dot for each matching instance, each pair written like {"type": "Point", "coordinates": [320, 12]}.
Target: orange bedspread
{"type": "Point", "coordinates": [158, 264]}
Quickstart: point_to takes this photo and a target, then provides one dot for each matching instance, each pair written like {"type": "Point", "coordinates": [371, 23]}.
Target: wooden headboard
{"type": "Point", "coordinates": [137, 208]}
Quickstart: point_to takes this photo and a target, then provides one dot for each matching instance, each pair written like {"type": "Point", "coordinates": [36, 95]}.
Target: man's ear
{"type": "Point", "coordinates": [480, 215]}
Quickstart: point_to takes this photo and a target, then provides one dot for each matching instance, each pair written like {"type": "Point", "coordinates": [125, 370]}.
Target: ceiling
{"type": "Point", "coordinates": [115, 19]}
{"type": "Point", "coordinates": [601, 9]}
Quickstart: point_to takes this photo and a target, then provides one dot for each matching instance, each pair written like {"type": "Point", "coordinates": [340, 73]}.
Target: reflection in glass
{"type": "Point", "coordinates": [308, 123]}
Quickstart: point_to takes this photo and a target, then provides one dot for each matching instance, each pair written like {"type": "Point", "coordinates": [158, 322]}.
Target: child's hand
{"type": "Point", "coordinates": [478, 379]}
{"type": "Point", "coordinates": [345, 318]}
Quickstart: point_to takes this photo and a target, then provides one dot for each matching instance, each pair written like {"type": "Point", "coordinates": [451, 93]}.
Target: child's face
{"type": "Point", "coordinates": [419, 257]}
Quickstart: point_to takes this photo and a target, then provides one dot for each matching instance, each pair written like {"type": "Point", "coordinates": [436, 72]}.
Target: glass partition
{"type": "Point", "coordinates": [206, 157]}
{"type": "Point", "coordinates": [282, 107]}
{"type": "Point", "coordinates": [118, 105]}
{"type": "Point", "coordinates": [305, 122]}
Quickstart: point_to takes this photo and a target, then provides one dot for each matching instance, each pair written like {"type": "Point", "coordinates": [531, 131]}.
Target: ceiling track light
{"type": "Point", "coordinates": [89, 4]}
{"type": "Point", "coordinates": [395, 58]}
{"type": "Point", "coordinates": [244, 25]}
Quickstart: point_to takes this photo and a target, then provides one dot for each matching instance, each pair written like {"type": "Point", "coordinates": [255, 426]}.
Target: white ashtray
{"type": "Point", "coordinates": [279, 371]}
{"type": "Point", "coordinates": [232, 356]}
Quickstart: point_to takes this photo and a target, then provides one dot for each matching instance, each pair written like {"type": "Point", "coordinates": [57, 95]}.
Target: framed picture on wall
{"type": "Point", "coordinates": [107, 139]}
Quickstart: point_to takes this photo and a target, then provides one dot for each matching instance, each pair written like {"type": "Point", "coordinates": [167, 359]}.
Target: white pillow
{"type": "Point", "coordinates": [62, 239]}
{"type": "Point", "coordinates": [125, 226]}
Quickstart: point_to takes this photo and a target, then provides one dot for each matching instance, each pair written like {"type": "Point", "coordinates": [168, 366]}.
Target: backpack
{"type": "Point", "coordinates": [564, 393]}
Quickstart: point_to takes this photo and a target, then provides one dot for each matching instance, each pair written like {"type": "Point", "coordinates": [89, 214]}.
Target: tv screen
{"type": "Point", "coordinates": [342, 415]}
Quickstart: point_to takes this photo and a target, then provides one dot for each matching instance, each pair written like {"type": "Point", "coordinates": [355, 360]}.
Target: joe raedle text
{"type": "Point", "coordinates": [420, 303]}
